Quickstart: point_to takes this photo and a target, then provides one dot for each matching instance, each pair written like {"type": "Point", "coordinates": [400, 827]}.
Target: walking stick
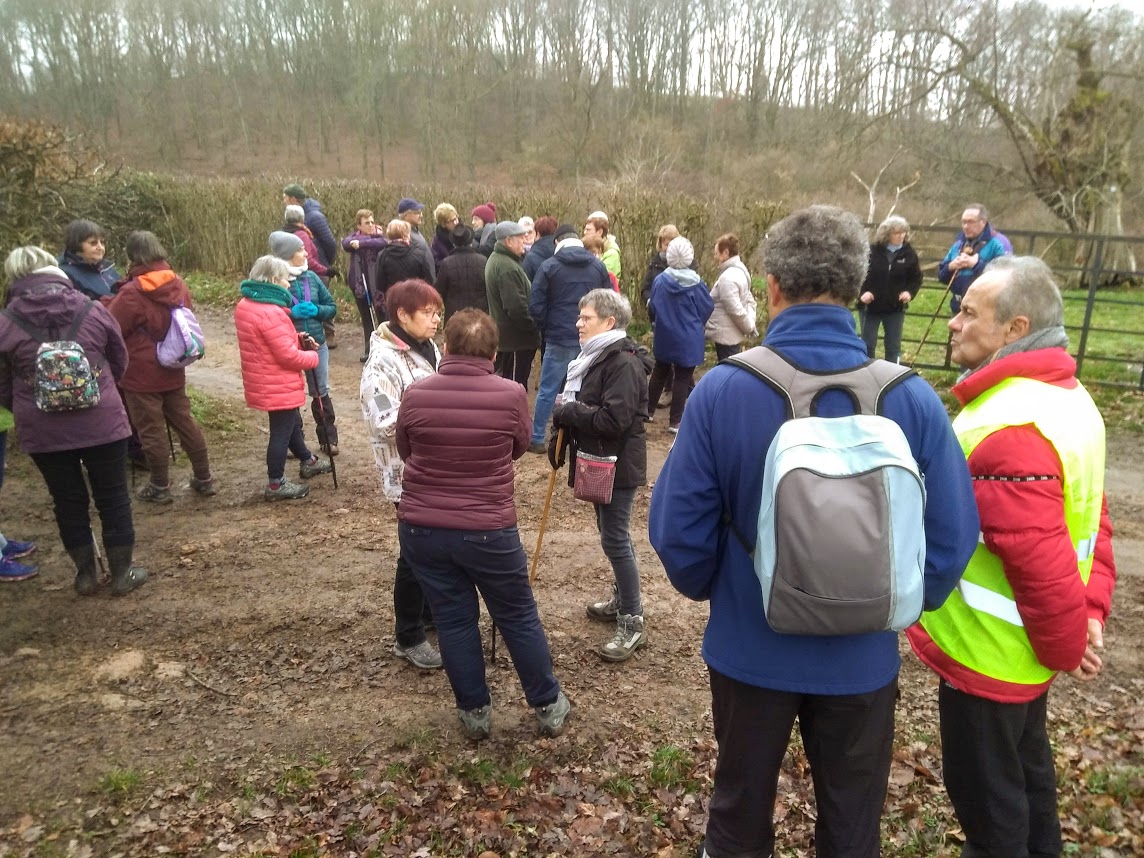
{"type": "Point", "coordinates": [544, 515]}
{"type": "Point", "coordinates": [933, 318]}
{"type": "Point", "coordinates": [170, 440]}
{"type": "Point", "coordinates": [103, 573]}
{"type": "Point", "coordinates": [324, 432]}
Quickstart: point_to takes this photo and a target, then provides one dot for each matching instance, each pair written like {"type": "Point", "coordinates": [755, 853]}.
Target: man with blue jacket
{"type": "Point", "coordinates": [975, 246]}
{"type": "Point", "coordinates": [554, 304]}
{"type": "Point", "coordinates": [842, 689]}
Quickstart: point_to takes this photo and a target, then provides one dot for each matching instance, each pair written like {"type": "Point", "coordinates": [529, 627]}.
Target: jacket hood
{"type": "Point", "coordinates": [158, 283]}
{"type": "Point", "coordinates": [581, 257]}
{"type": "Point", "coordinates": [397, 248]}
{"type": "Point", "coordinates": [45, 299]}
{"type": "Point", "coordinates": [73, 260]}
{"type": "Point", "coordinates": [1051, 365]}
{"type": "Point", "coordinates": [680, 279]}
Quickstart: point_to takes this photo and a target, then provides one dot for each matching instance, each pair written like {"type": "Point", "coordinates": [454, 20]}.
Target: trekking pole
{"type": "Point", "coordinates": [323, 431]}
{"type": "Point", "coordinates": [170, 440]}
{"type": "Point", "coordinates": [103, 573]}
{"type": "Point", "coordinates": [933, 318]}
{"type": "Point", "coordinates": [544, 515]}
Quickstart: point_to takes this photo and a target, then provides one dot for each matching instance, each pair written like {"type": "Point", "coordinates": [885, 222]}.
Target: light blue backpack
{"type": "Point", "coordinates": [841, 535]}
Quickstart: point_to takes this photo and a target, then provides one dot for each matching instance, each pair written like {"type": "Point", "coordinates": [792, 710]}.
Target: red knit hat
{"type": "Point", "coordinates": [487, 212]}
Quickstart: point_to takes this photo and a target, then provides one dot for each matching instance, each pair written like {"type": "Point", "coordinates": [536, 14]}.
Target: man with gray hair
{"type": "Point", "coordinates": [1038, 589]}
{"type": "Point", "coordinates": [974, 248]}
{"type": "Point", "coordinates": [841, 688]}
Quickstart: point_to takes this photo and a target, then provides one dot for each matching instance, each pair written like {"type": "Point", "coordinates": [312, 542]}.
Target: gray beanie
{"type": "Point", "coordinates": [284, 244]}
{"type": "Point", "coordinates": [680, 253]}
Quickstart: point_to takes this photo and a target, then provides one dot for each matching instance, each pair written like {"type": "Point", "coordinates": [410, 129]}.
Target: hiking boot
{"type": "Point", "coordinates": [673, 428]}
{"type": "Point", "coordinates": [14, 570]}
{"type": "Point", "coordinates": [86, 581]}
{"type": "Point", "coordinates": [14, 549]}
{"type": "Point", "coordinates": [629, 637]}
{"type": "Point", "coordinates": [206, 487]}
{"type": "Point", "coordinates": [284, 490]}
{"type": "Point", "coordinates": [424, 655]}
{"type": "Point", "coordinates": [124, 576]}
{"type": "Point", "coordinates": [155, 494]}
{"type": "Point", "coordinates": [363, 358]}
{"type": "Point", "coordinates": [605, 611]}
{"type": "Point", "coordinates": [538, 447]}
{"type": "Point", "coordinates": [477, 721]}
{"type": "Point", "coordinates": [314, 467]}
{"type": "Point", "coordinates": [553, 716]}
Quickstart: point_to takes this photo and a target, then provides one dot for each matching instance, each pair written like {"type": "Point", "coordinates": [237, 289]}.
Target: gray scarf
{"type": "Point", "coordinates": [1046, 338]}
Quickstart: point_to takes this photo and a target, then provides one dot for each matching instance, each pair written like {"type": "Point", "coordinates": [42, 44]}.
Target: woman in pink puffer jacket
{"type": "Point", "coordinates": [273, 357]}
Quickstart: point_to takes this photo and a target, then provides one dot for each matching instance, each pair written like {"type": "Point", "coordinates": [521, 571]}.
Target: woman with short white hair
{"type": "Point", "coordinates": [893, 278]}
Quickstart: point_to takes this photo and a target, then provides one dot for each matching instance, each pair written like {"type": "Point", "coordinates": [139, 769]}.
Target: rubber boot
{"type": "Point", "coordinates": [124, 576]}
{"type": "Point", "coordinates": [86, 580]}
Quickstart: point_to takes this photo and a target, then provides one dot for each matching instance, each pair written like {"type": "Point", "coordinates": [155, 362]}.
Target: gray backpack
{"type": "Point", "coordinates": [841, 539]}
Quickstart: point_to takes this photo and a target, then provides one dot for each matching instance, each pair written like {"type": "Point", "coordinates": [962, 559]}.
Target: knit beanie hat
{"type": "Point", "coordinates": [487, 212]}
{"type": "Point", "coordinates": [565, 230]}
{"type": "Point", "coordinates": [295, 190]}
{"type": "Point", "coordinates": [284, 244]}
{"type": "Point", "coordinates": [680, 253]}
{"type": "Point", "coordinates": [598, 214]}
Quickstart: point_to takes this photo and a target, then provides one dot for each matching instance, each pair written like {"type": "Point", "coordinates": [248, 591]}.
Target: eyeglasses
{"type": "Point", "coordinates": [585, 318]}
{"type": "Point", "coordinates": [431, 312]}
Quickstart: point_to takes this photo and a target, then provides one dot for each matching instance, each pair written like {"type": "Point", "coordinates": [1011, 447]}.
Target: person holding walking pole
{"type": "Point", "coordinates": [603, 408]}
{"type": "Point", "coordinates": [458, 524]}
{"type": "Point", "coordinates": [311, 306]}
{"type": "Point", "coordinates": [363, 245]}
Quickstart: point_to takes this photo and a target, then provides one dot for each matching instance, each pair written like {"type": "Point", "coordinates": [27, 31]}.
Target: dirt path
{"type": "Point", "coordinates": [265, 633]}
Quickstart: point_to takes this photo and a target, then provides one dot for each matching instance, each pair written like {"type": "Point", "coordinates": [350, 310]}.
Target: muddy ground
{"type": "Point", "coordinates": [265, 636]}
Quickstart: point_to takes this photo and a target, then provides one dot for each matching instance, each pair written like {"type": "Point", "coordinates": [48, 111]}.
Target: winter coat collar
{"type": "Point", "coordinates": [468, 365]}
{"type": "Point", "coordinates": [1053, 366]}
{"type": "Point", "coordinates": [502, 249]}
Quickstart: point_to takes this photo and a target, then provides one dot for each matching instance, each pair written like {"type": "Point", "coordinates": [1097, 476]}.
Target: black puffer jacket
{"type": "Point", "coordinates": [399, 261]}
{"type": "Point", "coordinates": [607, 418]}
{"type": "Point", "coordinates": [889, 275]}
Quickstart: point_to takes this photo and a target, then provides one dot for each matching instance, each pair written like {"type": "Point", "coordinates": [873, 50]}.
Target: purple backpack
{"type": "Point", "coordinates": [184, 343]}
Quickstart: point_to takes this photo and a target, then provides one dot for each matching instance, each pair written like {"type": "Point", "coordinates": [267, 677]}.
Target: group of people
{"type": "Point", "coordinates": [1017, 572]}
{"type": "Point", "coordinates": [1018, 567]}
{"type": "Point", "coordinates": [81, 376]}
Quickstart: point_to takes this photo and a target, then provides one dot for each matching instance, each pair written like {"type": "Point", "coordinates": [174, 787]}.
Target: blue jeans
{"type": "Point", "coordinates": [893, 323]}
{"type": "Point", "coordinates": [553, 370]}
{"type": "Point", "coordinates": [321, 373]}
{"type": "Point", "coordinates": [452, 565]}
{"type": "Point", "coordinates": [614, 521]}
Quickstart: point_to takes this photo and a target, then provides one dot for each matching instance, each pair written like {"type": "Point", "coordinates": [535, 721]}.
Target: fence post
{"type": "Point", "coordinates": [1093, 282]}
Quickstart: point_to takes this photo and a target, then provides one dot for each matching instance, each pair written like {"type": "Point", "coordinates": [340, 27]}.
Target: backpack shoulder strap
{"type": "Point", "coordinates": [74, 329]}
{"type": "Point", "coordinates": [867, 383]}
{"type": "Point", "coordinates": [35, 333]}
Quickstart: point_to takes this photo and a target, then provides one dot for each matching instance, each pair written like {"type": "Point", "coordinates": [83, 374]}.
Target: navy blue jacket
{"type": "Point", "coordinates": [541, 251]}
{"type": "Point", "coordinates": [320, 227]}
{"type": "Point", "coordinates": [716, 466]}
{"type": "Point", "coordinates": [94, 281]}
{"type": "Point", "coordinates": [557, 288]}
{"type": "Point", "coordinates": [680, 306]}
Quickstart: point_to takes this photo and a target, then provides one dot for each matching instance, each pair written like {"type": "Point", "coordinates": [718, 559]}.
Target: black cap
{"type": "Point", "coordinates": [565, 230]}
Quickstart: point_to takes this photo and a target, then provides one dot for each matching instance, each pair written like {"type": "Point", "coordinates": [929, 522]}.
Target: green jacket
{"type": "Point", "coordinates": [507, 287]}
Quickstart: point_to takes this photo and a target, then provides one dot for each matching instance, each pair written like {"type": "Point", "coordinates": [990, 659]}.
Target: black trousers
{"type": "Point", "coordinates": [515, 365]}
{"type": "Point", "coordinates": [106, 469]}
{"type": "Point", "coordinates": [410, 607]}
{"type": "Point", "coordinates": [681, 384]}
{"type": "Point", "coordinates": [367, 326]}
{"type": "Point", "coordinates": [848, 741]}
{"type": "Point", "coordinates": [998, 769]}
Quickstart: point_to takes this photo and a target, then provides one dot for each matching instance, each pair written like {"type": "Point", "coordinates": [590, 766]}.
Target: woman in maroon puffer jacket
{"type": "Point", "coordinates": [458, 433]}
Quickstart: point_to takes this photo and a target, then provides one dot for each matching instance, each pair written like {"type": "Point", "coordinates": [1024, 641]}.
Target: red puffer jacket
{"type": "Point", "coordinates": [142, 306]}
{"type": "Point", "coordinates": [458, 433]}
{"type": "Point", "coordinates": [272, 363]}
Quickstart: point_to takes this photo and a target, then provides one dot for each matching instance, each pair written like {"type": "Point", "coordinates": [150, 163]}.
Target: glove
{"type": "Point", "coordinates": [304, 310]}
{"type": "Point", "coordinates": [332, 272]}
{"type": "Point", "coordinates": [557, 456]}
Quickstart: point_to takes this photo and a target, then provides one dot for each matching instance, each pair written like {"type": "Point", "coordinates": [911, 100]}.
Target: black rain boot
{"type": "Point", "coordinates": [331, 418]}
{"type": "Point", "coordinates": [124, 576]}
{"type": "Point", "coordinates": [86, 580]}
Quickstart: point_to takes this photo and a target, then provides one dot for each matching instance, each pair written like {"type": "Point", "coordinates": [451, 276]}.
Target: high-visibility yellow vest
{"type": "Point", "coordinates": [979, 625]}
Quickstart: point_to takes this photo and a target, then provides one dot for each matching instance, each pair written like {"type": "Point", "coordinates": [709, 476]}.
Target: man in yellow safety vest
{"type": "Point", "coordinates": [1035, 596]}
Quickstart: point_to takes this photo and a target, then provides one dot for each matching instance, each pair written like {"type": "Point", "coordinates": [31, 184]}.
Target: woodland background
{"type": "Point", "coordinates": [681, 110]}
